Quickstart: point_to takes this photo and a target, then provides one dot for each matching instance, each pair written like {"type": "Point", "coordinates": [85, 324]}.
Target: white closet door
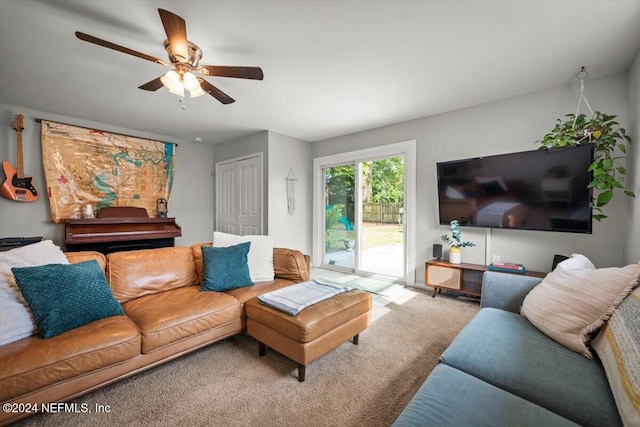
{"type": "Point", "coordinates": [239, 196]}
{"type": "Point", "coordinates": [249, 175]}
{"type": "Point", "coordinates": [227, 198]}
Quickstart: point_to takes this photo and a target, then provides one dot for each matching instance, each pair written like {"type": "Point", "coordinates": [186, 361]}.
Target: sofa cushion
{"type": "Point", "coordinates": [80, 256]}
{"type": "Point", "coordinates": [507, 351]}
{"type": "Point", "coordinates": [167, 317]}
{"type": "Point", "coordinates": [288, 264]}
{"type": "Point", "coordinates": [226, 267]}
{"type": "Point", "coordinates": [571, 304]}
{"type": "Point", "coordinates": [65, 296]}
{"type": "Point", "coordinates": [260, 256]}
{"type": "Point", "coordinates": [16, 319]}
{"type": "Point", "coordinates": [33, 363]}
{"type": "Point", "coordinates": [618, 346]}
{"type": "Point", "coordinates": [133, 274]}
{"type": "Point", "coordinates": [197, 257]}
{"type": "Point", "coordinates": [450, 397]}
{"type": "Point", "coordinates": [291, 265]}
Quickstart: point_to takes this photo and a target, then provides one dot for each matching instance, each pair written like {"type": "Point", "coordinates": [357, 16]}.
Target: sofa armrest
{"type": "Point", "coordinates": [76, 257]}
{"type": "Point", "coordinates": [291, 264]}
{"type": "Point", "coordinates": [506, 291]}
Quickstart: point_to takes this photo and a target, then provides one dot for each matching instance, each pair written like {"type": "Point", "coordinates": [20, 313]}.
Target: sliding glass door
{"type": "Point", "coordinates": [364, 217]}
{"type": "Point", "coordinates": [339, 217]}
{"type": "Point", "coordinates": [382, 223]}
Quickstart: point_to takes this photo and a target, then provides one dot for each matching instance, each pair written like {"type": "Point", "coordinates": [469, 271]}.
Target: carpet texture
{"type": "Point", "coordinates": [227, 384]}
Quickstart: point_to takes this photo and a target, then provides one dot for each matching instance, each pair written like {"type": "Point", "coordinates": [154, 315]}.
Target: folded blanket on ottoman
{"type": "Point", "coordinates": [293, 299]}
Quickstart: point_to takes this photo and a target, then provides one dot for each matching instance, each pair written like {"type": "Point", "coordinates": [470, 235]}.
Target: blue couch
{"type": "Point", "coordinates": [502, 371]}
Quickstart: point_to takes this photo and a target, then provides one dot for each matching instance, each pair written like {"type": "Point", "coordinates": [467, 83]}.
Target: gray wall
{"type": "Point", "coordinates": [252, 144]}
{"type": "Point", "coordinates": [191, 200]}
{"type": "Point", "coordinates": [501, 127]}
{"type": "Point", "coordinates": [632, 251]}
{"type": "Point", "coordinates": [287, 153]}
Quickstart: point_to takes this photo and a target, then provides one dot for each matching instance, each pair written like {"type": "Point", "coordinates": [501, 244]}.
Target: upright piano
{"type": "Point", "coordinates": [120, 229]}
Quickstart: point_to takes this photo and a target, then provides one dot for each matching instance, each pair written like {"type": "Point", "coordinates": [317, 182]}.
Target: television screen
{"type": "Point", "coordinates": [531, 190]}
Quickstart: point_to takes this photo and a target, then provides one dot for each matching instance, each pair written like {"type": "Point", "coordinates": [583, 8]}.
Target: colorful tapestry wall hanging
{"type": "Point", "coordinates": [93, 167]}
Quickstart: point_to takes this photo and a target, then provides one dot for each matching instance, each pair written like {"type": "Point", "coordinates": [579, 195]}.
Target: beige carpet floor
{"type": "Point", "coordinates": [227, 384]}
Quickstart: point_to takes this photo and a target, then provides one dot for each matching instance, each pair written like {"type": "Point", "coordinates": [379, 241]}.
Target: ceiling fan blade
{"type": "Point", "coordinates": [254, 73]}
{"type": "Point", "coordinates": [104, 43]}
{"type": "Point", "coordinates": [215, 92]}
{"type": "Point", "coordinates": [176, 30]}
{"type": "Point", "coordinates": [153, 85]}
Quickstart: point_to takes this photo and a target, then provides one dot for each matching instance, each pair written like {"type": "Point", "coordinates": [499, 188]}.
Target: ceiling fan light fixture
{"type": "Point", "coordinates": [184, 58]}
{"type": "Point", "coordinates": [197, 92]}
{"type": "Point", "coordinates": [171, 80]}
{"type": "Point", "coordinates": [178, 90]}
{"type": "Point", "coordinates": [190, 82]}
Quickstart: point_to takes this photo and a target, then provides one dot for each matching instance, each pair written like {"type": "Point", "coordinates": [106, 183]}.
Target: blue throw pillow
{"type": "Point", "coordinates": [226, 267]}
{"type": "Point", "coordinates": [65, 296]}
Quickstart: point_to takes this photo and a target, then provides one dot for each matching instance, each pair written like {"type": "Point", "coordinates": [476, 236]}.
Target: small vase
{"type": "Point", "coordinates": [455, 257]}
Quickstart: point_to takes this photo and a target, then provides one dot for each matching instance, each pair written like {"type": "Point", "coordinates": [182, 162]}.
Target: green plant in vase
{"type": "Point", "coordinates": [608, 139]}
{"type": "Point", "coordinates": [455, 242]}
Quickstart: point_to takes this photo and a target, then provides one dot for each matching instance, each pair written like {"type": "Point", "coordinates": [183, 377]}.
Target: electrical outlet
{"type": "Point", "coordinates": [495, 258]}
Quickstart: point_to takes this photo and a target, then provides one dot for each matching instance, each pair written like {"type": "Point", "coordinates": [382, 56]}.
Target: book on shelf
{"type": "Point", "coordinates": [507, 267]}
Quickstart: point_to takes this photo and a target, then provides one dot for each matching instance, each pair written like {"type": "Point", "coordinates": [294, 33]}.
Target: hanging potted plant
{"type": "Point", "coordinates": [455, 243]}
{"type": "Point", "coordinates": [609, 141]}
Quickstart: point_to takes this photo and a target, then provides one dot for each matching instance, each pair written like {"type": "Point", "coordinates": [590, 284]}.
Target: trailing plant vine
{"type": "Point", "coordinates": [608, 139]}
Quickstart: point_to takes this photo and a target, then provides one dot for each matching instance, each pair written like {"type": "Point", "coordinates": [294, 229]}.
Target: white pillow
{"type": "Point", "coordinates": [577, 262]}
{"type": "Point", "coordinates": [259, 258]}
{"type": "Point", "coordinates": [16, 320]}
{"type": "Point", "coordinates": [570, 305]}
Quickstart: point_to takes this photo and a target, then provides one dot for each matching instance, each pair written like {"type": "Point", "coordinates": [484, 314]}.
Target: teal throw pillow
{"type": "Point", "coordinates": [226, 267]}
{"type": "Point", "coordinates": [65, 296]}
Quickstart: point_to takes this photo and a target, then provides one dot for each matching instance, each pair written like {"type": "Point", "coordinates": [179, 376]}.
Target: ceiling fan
{"type": "Point", "coordinates": [184, 58]}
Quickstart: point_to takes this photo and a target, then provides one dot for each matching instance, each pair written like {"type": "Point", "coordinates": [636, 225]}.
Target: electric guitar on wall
{"type": "Point", "coordinates": [17, 186]}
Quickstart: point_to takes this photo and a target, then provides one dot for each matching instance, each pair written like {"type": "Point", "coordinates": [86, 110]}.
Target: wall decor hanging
{"type": "Point", "coordinates": [291, 192]}
{"type": "Point", "coordinates": [86, 166]}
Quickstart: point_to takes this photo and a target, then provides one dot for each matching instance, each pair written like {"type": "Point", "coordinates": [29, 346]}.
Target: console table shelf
{"type": "Point", "coordinates": [464, 278]}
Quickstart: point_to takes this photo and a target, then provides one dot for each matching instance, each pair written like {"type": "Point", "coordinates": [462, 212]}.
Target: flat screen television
{"type": "Point", "coordinates": [531, 190]}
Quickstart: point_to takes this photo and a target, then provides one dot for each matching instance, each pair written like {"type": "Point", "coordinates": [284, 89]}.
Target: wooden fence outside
{"type": "Point", "coordinates": [388, 213]}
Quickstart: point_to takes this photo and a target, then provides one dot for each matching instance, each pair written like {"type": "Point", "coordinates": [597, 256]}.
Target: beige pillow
{"type": "Point", "coordinates": [570, 305]}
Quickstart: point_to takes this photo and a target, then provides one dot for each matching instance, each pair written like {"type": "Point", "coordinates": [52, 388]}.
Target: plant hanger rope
{"type": "Point", "coordinates": [582, 75]}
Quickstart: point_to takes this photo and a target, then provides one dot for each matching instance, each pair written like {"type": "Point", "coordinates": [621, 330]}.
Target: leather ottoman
{"type": "Point", "coordinates": [314, 331]}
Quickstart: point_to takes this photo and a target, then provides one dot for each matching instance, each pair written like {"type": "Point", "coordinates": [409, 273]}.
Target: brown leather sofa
{"type": "Point", "coordinates": [166, 316]}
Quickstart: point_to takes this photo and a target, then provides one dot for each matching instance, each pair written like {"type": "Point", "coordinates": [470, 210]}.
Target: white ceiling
{"type": "Point", "coordinates": [331, 67]}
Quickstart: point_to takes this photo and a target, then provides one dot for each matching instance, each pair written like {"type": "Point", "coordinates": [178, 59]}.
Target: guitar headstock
{"type": "Point", "coordinates": [18, 123]}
